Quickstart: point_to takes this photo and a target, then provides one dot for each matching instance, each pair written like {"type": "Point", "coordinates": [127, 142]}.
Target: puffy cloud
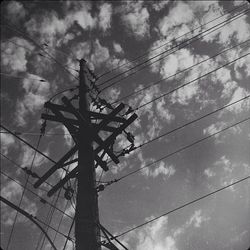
{"type": "Point", "coordinates": [160, 169]}
{"type": "Point", "coordinates": [7, 141]}
{"type": "Point", "coordinates": [239, 93]}
{"type": "Point", "coordinates": [105, 16]}
{"type": "Point", "coordinates": [27, 155]}
{"type": "Point", "coordinates": [14, 58]}
{"type": "Point", "coordinates": [197, 219]}
{"type": "Point", "coordinates": [209, 172]}
{"type": "Point", "coordinates": [159, 5]}
{"type": "Point", "coordinates": [179, 15]}
{"type": "Point", "coordinates": [228, 89]}
{"type": "Point", "coordinates": [100, 54]}
{"type": "Point", "coordinates": [184, 95]}
{"type": "Point", "coordinates": [163, 111]}
{"type": "Point", "coordinates": [47, 27]}
{"type": "Point", "coordinates": [152, 237]}
{"type": "Point", "coordinates": [15, 11]}
{"type": "Point", "coordinates": [36, 94]}
{"type": "Point", "coordinates": [218, 126]}
{"type": "Point", "coordinates": [117, 48]}
{"type": "Point", "coordinates": [136, 19]}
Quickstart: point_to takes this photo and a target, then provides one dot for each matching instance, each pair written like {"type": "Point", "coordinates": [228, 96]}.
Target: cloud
{"type": "Point", "coordinates": [105, 16]}
{"type": "Point", "coordinates": [197, 219]}
{"type": "Point", "coordinates": [14, 58]}
{"type": "Point", "coordinates": [100, 54]}
{"type": "Point", "coordinates": [209, 172]}
{"type": "Point", "coordinates": [218, 126]}
{"type": "Point", "coordinates": [7, 141]}
{"type": "Point", "coordinates": [135, 17]}
{"type": "Point", "coordinates": [157, 169]}
{"type": "Point", "coordinates": [178, 16]}
{"type": "Point", "coordinates": [151, 237]}
{"type": "Point", "coordinates": [15, 11]}
{"type": "Point", "coordinates": [117, 48]}
{"type": "Point", "coordinates": [239, 93]}
{"type": "Point", "coordinates": [47, 27]}
{"type": "Point", "coordinates": [27, 155]}
{"type": "Point", "coordinates": [35, 95]}
{"type": "Point", "coordinates": [159, 5]}
{"type": "Point", "coordinates": [228, 89]}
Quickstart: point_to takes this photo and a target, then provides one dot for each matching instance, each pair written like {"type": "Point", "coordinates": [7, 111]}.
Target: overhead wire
{"type": "Point", "coordinates": [177, 73]}
{"type": "Point", "coordinates": [71, 226]}
{"type": "Point", "coordinates": [179, 47]}
{"type": "Point", "coordinates": [182, 206]}
{"type": "Point", "coordinates": [169, 42]}
{"type": "Point", "coordinates": [179, 150]}
{"type": "Point", "coordinates": [31, 133]}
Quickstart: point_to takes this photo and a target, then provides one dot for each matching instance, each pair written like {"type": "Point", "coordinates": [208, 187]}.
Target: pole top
{"type": "Point", "coordinates": [82, 61]}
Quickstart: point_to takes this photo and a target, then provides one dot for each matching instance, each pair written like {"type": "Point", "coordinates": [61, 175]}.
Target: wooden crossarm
{"type": "Point", "coordinates": [58, 165]}
{"type": "Point", "coordinates": [61, 183]}
{"type": "Point", "coordinates": [102, 116]}
{"type": "Point", "coordinates": [54, 118]}
{"type": "Point", "coordinates": [118, 131]}
{"type": "Point", "coordinates": [91, 130]}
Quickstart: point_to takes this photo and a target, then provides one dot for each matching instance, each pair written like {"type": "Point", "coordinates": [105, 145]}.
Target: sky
{"type": "Point", "coordinates": [138, 44]}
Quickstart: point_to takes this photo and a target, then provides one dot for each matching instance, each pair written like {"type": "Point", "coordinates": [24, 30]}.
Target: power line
{"type": "Point", "coordinates": [168, 42]}
{"type": "Point", "coordinates": [179, 47]}
{"type": "Point", "coordinates": [177, 73]}
{"type": "Point", "coordinates": [182, 206]}
{"type": "Point", "coordinates": [180, 150]}
{"type": "Point", "coordinates": [194, 80]}
{"type": "Point", "coordinates": [39, 196]}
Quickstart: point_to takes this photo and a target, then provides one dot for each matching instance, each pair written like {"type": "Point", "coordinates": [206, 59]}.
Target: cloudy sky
{"type": "Point", "coordinates": [151, 48]}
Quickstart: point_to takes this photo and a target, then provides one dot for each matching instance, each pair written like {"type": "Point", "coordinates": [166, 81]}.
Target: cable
{"type": "Point", "coordinates": [25, 186]}
{"type": "Point", "coordinates": [179, 47]}
{"type": "Point", "coordinates": [41, 198]}
{"type": "Point", "coordinates": [194, 80]}
{"type": "Point", "coordinates": [181, 149]}
{"type": "Point", "coordinates": [168, 42]}
{"type": "Point", "coordinates": [182, 206]}
{"type": "Point", "coordinates": [179, 72]}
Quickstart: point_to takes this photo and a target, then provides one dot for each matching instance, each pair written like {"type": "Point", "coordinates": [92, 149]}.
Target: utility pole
{"type": "Point", "coordinates": [77, 120]}
{"type": "Point", "coordinates": [87, 215]}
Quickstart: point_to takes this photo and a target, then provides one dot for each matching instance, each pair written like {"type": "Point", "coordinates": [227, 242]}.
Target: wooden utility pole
{"type": "Point", "coordinates": [84, 133]}
{"type": "Point", "coordinates": [87, 219]}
